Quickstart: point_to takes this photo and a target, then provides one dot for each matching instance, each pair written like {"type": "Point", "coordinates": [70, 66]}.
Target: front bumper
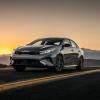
{"type": "Point", "coordinates": [33, 60]}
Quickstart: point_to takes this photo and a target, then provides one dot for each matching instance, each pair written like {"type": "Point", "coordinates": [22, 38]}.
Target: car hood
{"type": "Point", "coordinates": [34, 48]}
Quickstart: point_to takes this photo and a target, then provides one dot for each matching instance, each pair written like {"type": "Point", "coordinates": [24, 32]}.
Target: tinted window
{"type": "Point", "coordinates": [47, 41]}
{"type": "Point", "coordinates": [67, 41]}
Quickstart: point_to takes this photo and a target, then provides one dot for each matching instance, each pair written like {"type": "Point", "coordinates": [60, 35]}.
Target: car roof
{"type": "Point", "coordinates": [55, 38]}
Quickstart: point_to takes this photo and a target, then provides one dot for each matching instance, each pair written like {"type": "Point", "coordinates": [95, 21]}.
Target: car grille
{"type": "Point", "coordinates": [30, 53]}
{"type": "Point", "coordinates": [27, 62]}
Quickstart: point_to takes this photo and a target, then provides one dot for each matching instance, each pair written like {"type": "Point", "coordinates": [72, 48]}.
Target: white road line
{"type": "Point", "coordinates": [8, 68]}
{"type": "Point", "coordinates": [38, 81]}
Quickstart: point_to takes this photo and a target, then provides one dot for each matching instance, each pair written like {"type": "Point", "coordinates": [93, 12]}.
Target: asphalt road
{"type": "Point", "coordinates": [81, 87]}
{"type": "Point", "coordinates": [85, 87]}
{"type": "Point", "coordinates": [9, 75]}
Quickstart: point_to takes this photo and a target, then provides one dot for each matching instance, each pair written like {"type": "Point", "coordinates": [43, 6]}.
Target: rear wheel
{"type": "Point", "coordinates": [59, 63]}
{"type": "Point", "coordinates": [19, 68]}
{"type": "Point", "coordinates": [80, 64]}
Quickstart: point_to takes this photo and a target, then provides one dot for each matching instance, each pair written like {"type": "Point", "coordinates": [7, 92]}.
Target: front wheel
{"type": "Point", "coordinates": [59, 63]}
{"type": "Point", "coordinates": [19, 68]}
{"type": "Point", "coordinates": [80, 64]}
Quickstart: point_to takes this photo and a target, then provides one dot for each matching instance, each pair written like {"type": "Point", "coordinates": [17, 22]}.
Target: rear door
{"type": "Point", "coordinates": [67, 53]}
{"type": "Point", "coordinates": [75, 54]}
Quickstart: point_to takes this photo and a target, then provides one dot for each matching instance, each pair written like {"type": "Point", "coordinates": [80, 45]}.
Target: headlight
{"type": "Point", "coordinates": [47, 51]}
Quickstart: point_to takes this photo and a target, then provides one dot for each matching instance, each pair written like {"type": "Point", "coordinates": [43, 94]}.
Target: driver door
{"type": "Point", "coordinates": [67, 52]}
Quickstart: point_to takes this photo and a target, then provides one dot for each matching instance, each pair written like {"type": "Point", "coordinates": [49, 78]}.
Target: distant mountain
{"type": "Point", "coordinates": [89, 54]}
{"type": "Point", "coordinates": [5, 59]}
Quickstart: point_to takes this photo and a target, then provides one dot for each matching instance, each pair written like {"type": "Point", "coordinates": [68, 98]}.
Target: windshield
{"type": "Point", "coordinates": [49, 41]}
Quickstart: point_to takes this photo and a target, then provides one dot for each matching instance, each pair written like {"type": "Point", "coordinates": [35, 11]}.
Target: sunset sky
{"type": "Point", "coordinates": [22, 21]}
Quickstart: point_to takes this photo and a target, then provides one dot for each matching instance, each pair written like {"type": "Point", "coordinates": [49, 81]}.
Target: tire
{"type": "Point", "coordinates": [19, 68]}
{"type": "Point", "coordinates": [80, 65]}
{"type": "Point", "coordinates": [59, 63]}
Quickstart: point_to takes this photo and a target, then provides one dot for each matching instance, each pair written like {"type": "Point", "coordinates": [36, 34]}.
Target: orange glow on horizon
{"type": "Point", "coordinates": [5, 51]}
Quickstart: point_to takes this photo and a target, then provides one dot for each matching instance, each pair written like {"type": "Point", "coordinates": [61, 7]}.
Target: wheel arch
{"type": "Point", "coordinates": [81, 57]}
{"type": "Point", "coordinates": [60, 55]}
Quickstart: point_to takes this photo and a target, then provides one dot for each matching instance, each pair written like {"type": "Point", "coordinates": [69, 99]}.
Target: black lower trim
{"type": "Point", "coordinates": [27, 62]}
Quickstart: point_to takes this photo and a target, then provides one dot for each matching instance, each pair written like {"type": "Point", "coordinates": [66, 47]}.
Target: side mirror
{"type": "Point", "coordinates": [66, 45]}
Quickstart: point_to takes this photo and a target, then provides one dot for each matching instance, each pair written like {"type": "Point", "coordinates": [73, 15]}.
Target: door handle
{"type": "Point", "coordinates": [79, 51]}
{"type": "Point", "coordinates": [72, 50]}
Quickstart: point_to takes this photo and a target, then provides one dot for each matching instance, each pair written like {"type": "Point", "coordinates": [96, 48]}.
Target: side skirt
{"type": "Point", "coordinates": [69, 66]}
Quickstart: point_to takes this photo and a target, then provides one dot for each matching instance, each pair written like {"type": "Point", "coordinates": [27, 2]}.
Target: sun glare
{"type": "Point", "coordinates": [4, 51]}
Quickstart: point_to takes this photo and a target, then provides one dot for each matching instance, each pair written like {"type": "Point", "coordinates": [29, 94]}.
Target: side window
{"type": "Point", "coordinates": [67, 42]}
{"type": "Point", "coordinates": [74, 45]}
{"type": "Point", "coordinates": [38, 43]}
